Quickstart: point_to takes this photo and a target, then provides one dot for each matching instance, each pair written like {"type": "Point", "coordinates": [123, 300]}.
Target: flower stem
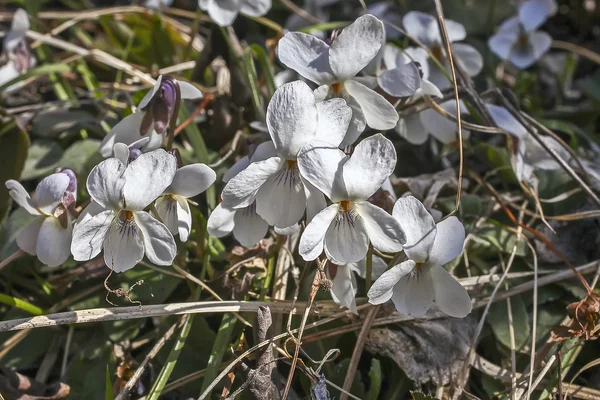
{"type": "Point", "coordinates": [368, 276]}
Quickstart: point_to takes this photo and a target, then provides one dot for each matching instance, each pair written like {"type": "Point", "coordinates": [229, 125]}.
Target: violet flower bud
{"type": "Point", "coordinates": [70, 196]}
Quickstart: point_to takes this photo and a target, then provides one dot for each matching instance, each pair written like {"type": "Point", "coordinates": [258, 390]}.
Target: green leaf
{"type": "Point", "coordinates": [498, 320]}
{"type": "Point", "coordinates": [14, 143]}
{"type": "Point", "coordinates": [266, 66]}
{"type": "Point", "coordinates": [496, 237]}
{"type": "Point", "coordinates": [81, 157]}
{"type": "Point", "coordinates": [108, 393]}
{"type": "Point", "coordinates": [167, 369]}
{"type": "Point", "coordinates": [22, 304]}
{"type": "Point", "coordinates": [57, 123]}
{"type": "Point", "coordinates": [42, 70]}
{"type": "Point", "coordinates": [42, 159]}
{"type": "Point", "coordinates": [220, 347]}
{"type": "Point", "coordinates": [376, 376]}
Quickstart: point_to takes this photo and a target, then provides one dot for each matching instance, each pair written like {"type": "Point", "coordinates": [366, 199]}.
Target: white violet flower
{"type": "Point", "coordinates": [224, 12]}
{"type": "Point", "coordinates": [16, 49]}
{"type": "Point", "coordinates": [518, 39]}
{"type": "Point", "coordinates": [424, 28]}
{"type": "Point", "coordinates": [345, 228]}
{"type": "Point", "coordinates": [247, 226]}
{"type": "Point", "coordinates": [115, 220]}
{"type": "Point", "coordinates": [415, 284]}
{"type": "Point", "coordinates": [345, 287]}
{"type": "Point", "coordinates": [173, 208]}
{"type": "Point", "coordinates": [337, 65]}
{"type": "Point", "coordinates": [48, 236]}
{"type": "Point", "coordinates": [294, 118]}
{"type": "Point", "coordinates": [529, 155]}
{"type": "Point", "coordinates": [152, 117]}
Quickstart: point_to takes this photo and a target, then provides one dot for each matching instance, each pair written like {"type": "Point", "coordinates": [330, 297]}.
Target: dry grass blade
{"type": "Point", "coordinates": [442, 24]}
{"type": "Point", "coordinates": [358, 349]}
{"type": "Point", "coordinates": [123, 313]}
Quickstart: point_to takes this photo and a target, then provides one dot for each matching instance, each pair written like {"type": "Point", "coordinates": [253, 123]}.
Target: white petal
{"type": "Point", "coordinates": [18, 30]}
{"type": "Point", "coordinates": [54, 242]}
{"type": "Point", "coordinates": [414, 295]}
{"type": "Point", "coordinates": [121, 152]}
{"type": "Point", "coordinates": [220, 222]}
{"type": "Point", "coordinates": [450, 296]}
{"type": "Point", "coordinates": [222, 12]}
{"type": "Point", "coordinates": [315, 200]}
{"type": "Point", "coordinates": [468, 58]}
{"type": "Point", "coordinates": [422, 27]}
{"type": "Point", "coordinates": [372, 162]}
{"type": "Point", "coordinates": [292, 118]}
{"type": "Point", "coordinates": [263, 151]}
{"type": "Point", "coordinates": [379, 113]}
{"type": "Point", "coordinates": [440, 127]}
{"type": "Point", "coordinates": [358, 123]}
{"type": "Point", "coordinates": [344, 289]}
{"type": "Point", "coordinates": [541, 42]}
{"type": "Point", "coordinates": [20, 195]}
{"type": "Point", "coordinates": [8, 72]}
{"type": "Point", "coordinates": [502, 43]}
{"type": "Point", "coordinates": [166, 208]}
{"type": "Point", "coordinates": [288, 230]}
{"type": "Point", "coordinates": [401, 81]}
{"type": "Point", "coordinates": [89, 233]}
{"type": "Point", "coordinates": [346, 240]}
{"type": "Point", "coordinates": [320, 163]}
{"type": "Point", "coordinates": [255, 8]}
{"type": "Point", "coordinates": [334, 119]}
{"type": "Point", "coordinates": [281, 200]}
{"type": "Point", "coordinates": [126, 131]}
{"type": "Point", "coordinates": [191, 180]}
{"type": "Point", "coordinates": [147, 177]}
{"type": "Point", "coordinates": [418, 225]}
{"type": "Point", "coordinates": [249, 228]}
{"type": "Point", "coordinates": [377, 269]}
{"type": "Point", "coordinates": [356, 46]}
{"type": "Point", "coordinates": [384, 232]}
{"type": "Point", "coordinates": [150, 94]}
{"type": "Point", "coordinates": [505, 120]}
{"type": "Point", "coordinates": [241, 190]}
{"type": "Point", "coordinates": [429, 88]}
{"type": "Point", "coordinates": [411, 128]}
{"type": "Point", "coordinates": [456, 31]}
{"type": "Point", "coordinates": [523, 57]}
{"type": "Point", "coordinates": [511, 24]}
{"type": "Point", "coordinates": [533, 13]}
{"type": "Point", "coordinates": [382, 289]}
{"type": "Point", "coordinates": [184, 215]}
{"type": "Point", "coordinates": [236, 168]}
{"type": "Point", "coordinates": [311, 242]}
{"type": "Point", "coordinates": [189, 91]}
{"type": "Point", "coordinates": [158, 241]}
{"type": "Point", "coordinates": [307, 55]}
{"type": "Point", "coordinates": [418, 55]}
{"type": "Point", "coordinates": [448, 242]}
{"type": "Point", "coordinates": [28, 236]}
{"type": "Point", "coordinates": [105, 183]}
{"type": "Point", "coordinates": [123, 247]}
{"type": "Point", "coordinates": [49, 192]}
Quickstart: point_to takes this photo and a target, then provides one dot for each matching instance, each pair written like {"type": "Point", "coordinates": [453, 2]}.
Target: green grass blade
{"type": "Point", "coordinates": [21, 304]}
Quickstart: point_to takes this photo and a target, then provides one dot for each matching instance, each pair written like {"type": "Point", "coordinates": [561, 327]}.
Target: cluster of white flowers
{"type": "Point", "coordinates": [138, 195]}
{"type": "Point", "coordinates": [518, 40]}
{"type": "Point", "coordinates": [316, 174]}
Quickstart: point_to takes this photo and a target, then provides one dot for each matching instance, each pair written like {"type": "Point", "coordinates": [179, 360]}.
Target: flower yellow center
{"type": "Point", "coordinates": [418, 266]}
{"type": "Point", "coordinates": [523, 40]}
{"type": "Point", "coordinates": [345, 205]}
{"type": "Point", "coordinates": [128, 215]}
{"type": "Point", "coordinates": [337, 88]}
{"type": "Point", "coordinates": [291, 164]}
{"type": "Point", "coordinates": [437, 51]}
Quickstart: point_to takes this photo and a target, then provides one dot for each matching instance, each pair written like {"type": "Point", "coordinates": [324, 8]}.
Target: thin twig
{"type": "Point", "coordinates": [358, 349]}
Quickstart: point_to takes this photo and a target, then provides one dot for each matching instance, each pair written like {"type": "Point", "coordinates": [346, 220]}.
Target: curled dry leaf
{"type": "Point", "coordinates": [585, 315]}
{"type": "Point", "coordinates": [428, 351]}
